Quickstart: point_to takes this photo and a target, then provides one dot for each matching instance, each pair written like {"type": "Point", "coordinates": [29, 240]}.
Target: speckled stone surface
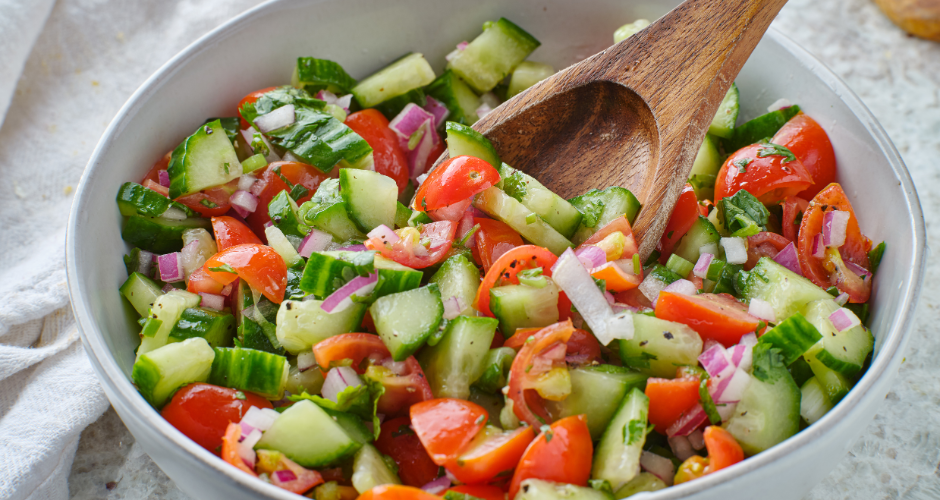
{"type": "Point", "coordinates": [898, 78]}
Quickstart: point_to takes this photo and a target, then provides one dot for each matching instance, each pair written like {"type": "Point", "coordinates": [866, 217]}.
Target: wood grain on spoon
{"type": "Point", "coordinates": [635, 114]}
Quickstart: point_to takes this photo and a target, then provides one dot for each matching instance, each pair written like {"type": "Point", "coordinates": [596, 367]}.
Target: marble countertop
{"type": "Point", "coordinates": [898, 78]}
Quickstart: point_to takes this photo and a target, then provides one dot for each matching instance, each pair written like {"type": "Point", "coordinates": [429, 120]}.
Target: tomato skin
{"type": "Point", "coordinates": [229, 232]}
{"type": "Point", "coordinates": [446, 425]}
{"type": "Point", "coordinates": [216, 197]}
{"type": "Point", "coordinates": [397, 440]}
{"type": "Point", "coordinates": [669, 399]}
{"type": "Point", "coordinates": [259, 265]}
{"type": "Point", "coordinates": [511, 263]}
{"type": "Point", "coordinates": [161, 164]}
{"type": "Point", "coordinates": [252, 97]}
{"type": "Point", "coordinates": [396, 492]}
{"type": "Point", "coordinates": [203, 411]}
{"type": "Point", "coordinates": [683, 216]}
{"type": "Point", "coordinates": [810, 144]}
{"type": "Point", "coordinates": [769, 178]}
{"type": "Point", "coordinates": [200, 282]}
{"type": "Point", "coordinates": [793, 209]}
{"type": "Point", "coordinates": [764, 244]}
{"type": "Point", "coordinates": [566, 458]}
{"type": "Point", "coordinates": [441, 235]}
{"type": "Point", "coordinates": [307, 176]}
{"type": "Point", "coordinates": [454, 180]}
{"type": "Point", "coordinates": [723, 449]}
{"type": "Point", "coordinates": [493, 239]}
{"type": "Point", "coordinates": [357, 347]}
{"type": "Point", "coordinates": [389, 159]}
{"type": "Point", "coordinates": [581, 343]}
{"type": "Point", "coordinates": [481, 491]}
{"type": "Point", "coordinates": [855, 249]}
{"type": "Point", "coordinates": [713, 316]}
{"type": "Point", "coordinates": [526, 405]}
{"type": "Point", "coordinates": [482, 461]}
{"type": "Point", "coordinates": [233, 432]}
{"type": "Point", "coordinates": [621, 225]}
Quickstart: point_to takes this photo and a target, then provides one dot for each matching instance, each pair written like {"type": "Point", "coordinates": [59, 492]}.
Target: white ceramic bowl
{"type": "Point", "coordinates": [257, 50]}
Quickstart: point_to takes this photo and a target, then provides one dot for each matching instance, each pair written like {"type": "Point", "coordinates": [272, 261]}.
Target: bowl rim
{"type": "Point", "coordinates": [122, 388]}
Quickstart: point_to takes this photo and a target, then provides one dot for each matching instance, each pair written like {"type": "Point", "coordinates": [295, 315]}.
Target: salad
{"type": "Point", "coordinates": [327, 315]}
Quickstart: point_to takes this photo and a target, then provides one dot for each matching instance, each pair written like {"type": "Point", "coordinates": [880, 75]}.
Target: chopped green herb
{"type": "Point", "coordinates": [208, 204]}
{"type": "Point", "coordinates": [532, 277]}
{"type": "Point", "coordinates": [875, 255]}
{"type": "Point", "coordinates": [531, 218]}
{"type": "Point", "coordinates": [771, 149]}
{"type": "Point", "coordinates": [240, 395]}
{"type": "Point", "coordinates": [463, 241]}
{"type": "Point", "coordinates": [708, 404]}
{"type": "Point", "coordinates": [637, 267]}
{"type": "Point", "coordinates": [224, 268]}
{"type": "Point", "coordinates": [743, 214]}
{"type": "Point", "coordinates": [742, 164]}
{"type": "Point", "coordinates": [634, 432]}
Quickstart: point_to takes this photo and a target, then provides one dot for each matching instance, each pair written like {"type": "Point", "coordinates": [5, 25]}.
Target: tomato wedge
{"type": "Point", "coordinates": [493, 239]}
{"type": "Point", "coordinates": [271, 179]}
{"type": "Point", "coordinates": [565, 457]}
{"type": "Point", "coordinates": [230, 231]}
{"type": "Point", "coordinates": [387, 155]}
{"type": "Point", "coordinates": [203, 411]}
{"type": "Point", "coordinates": [683, 216]}
{"type": "Point", "coordinates": [362, 348]}
{"type": "Point", "coordinates": [233, 433]}
{"type": "Point", "coordinates": [582, 344]}
{"type": "Point", "coordinates": [259, 265]}
{"type": "Point", "coordinates": [763, 244]}
{"type": "Point", "coordinates": [714, 316]}
{"type": "Point", "coordinates": [397, 492]}
{"type": "Point", "coordinates": [669, 399]}
{"type": "Point", "coordinates": [618, 225]}
{"type": "Point", "coordinates": [481, 491]}
{"type": "Point", "coordinates": [763, 170]}
{"type": "Point", "coordinates": [454, 180]}
{"type": "Point", "coordinates": [200, 282]}
{"type": "Point", "coordinates": [490, 453]}
{"type": "Point", "coordinates": [270, 462]}
{"type": "Point", "coordinates": [398, 441]}
{"type": "Point", "coordinates": [410, 250]}
{"type": "Point", "coordinates": [793, 209]}
{"type": "Point", "coordinates": [723, 450]}
{"type": "Point", "coordinates": [507, 266]}
{"type": "Point", "coordinates": [811, 145]}
{"type": "Point", "coordinates": [615, 278]}
{"type": "Point", "coordinates": [445, 426]}
{"type": "Point", "coordinates": [529, 408]}
{"type": "Point", "coordinates": [855, 249]}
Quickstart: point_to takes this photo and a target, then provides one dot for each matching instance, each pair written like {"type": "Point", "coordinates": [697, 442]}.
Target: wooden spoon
{"type": "Point", "coordinates": [635, 114]}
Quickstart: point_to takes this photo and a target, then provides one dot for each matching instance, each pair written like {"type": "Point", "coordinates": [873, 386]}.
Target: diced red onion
{"type": "Point", "coordinates": [742, 352]}
{"type": "Point", "coordinates": [244, 200]}
{"type": "Point", "coordinates": [228, 289]}
{"type": "Point", "coordinates": [681, 447]}
{"type": "Point", "coordinates": [591, 256]}
{"type": "Point", "coordinates": [438, 485]}
{"type": "Point", "coordinates": [819, 249]}
{"type": "Point", "coordinates": [212, 301]}
{"type": "Point", "coordinates": [658, 466]}
{"type": "Point", "coordinates": [842, 299]}
{"type": "Point", "coordinates": [251, 438]}
{"type": "Point", "coordinates": [171, 267]}
{"type": "Point", "coordinates": [499, 249]}
{"type": "Point", "coordinates": [258, 187]}
{"type": "Point", "coordinates": [688, 422]}
{"type": "Point", "coordinates": [258, 418]}
{"type": "Point", "coordinates": [610, 299]}
{"type": "Point", "coordinates": [577, 283]}
{"type": "Point", "coordinates": [438, 110]}
{"type": "Point", "coordinates": [453, 212]}
{"type": "Point", "coordinates": [789, 258]}
{"type": "Point", "coordinates": [858, 270]}
{"type": "Point", "coordinates": [278, 118]}
{"type": "Point", "coordinates": [844, 319]}
{"type": "Point", "coordinates": [163, 177]}
{"type": "Point", "coordinates": [306, 360]}
{"type": "Point", "coordinates": [779, 104]}
{"type": "Point", "coordinates": [341, 299]}
{"type": "Point", "coordinates": [735, 250]}
{"type": "Point", "coordinates": [385, 233]}
{"type": "Point", "coordinates": [285, 475]}
{"type": "Point", "coordinates": [246, 450]}
{"type": "Point", "coordinates": [245, 182]}
{"type": "Point", "coordinates": [268, 224]}
{"type": "Point", "coordinates": [715, 361]}
{"type": "Point", "coordinates": [547, 359]}
{"type": "Point", "coordinates": [248, 135]}
{"type": "Point", "coordinates": [651, 286]}
{"type": "Point", "coordinates": [452, 307]}
{"type": "Point", "coordinates": [331, 98]}
{"type": "Point", "coordinates": [625, 265]}
{"type": "Point", "coordinates": [483, 110]}
{"type": "Point", "coordinates": [681, 286]}
{"type": "Point", "coordinates": [697, 439]}
{"type": "Point", "coordinates": [701, 266]}
{"type": "Point", "coordinates": [762, 309]}
{"type": "Point", "coordinates": [462, 45]}
{"type": "Point", "coordinates": [464, 227]}
{"type": "Point", "coordinates": [337, 379]}
{"type": "Point", "coordinates": [315, 241]}
{"type": "Point", "coordinates": [418, 157]}
{"type": "Point", "coordinates": [410, 120]}
{"type": "Point", "coordinates": [834, 226]}
{"type": "Point", "coordinates": [618, 307]}
{"type": "Point", "coordinates": [352, 248]}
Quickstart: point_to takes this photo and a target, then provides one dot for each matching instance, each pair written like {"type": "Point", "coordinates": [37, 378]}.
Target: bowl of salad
{"type": "Point", "coordinates": [281, 299]}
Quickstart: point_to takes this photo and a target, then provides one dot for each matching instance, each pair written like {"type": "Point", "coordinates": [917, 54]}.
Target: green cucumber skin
{"type": "Point", "coordinates": [457, 361]}
{"type": "Point", "coordinates": [596, 391]}
{"type": "Point", "coordinates": [159, 236]}
{"type": "Point", "coordinates": [308, 436]}
{"type": "Point", "coordinates": [457, 96]}
{"type": "Point", "coordinates": [492, 55]}
{"type": "Point", "coordinates": [218, 328]}
{"type": "Point", "coordinates": [324, 273]}
{"type": "Point", "coordinates": [654, 353]}
{"type": "Point", "coordinates": [141, 292]}
{"type": "Point", "coordinates": [559, 213]}
{"type": "Point", "coordinates": [302, 324]}
{"type": "Point", "coordinates": [762, 127]}
{"type": "Point", "coordinates": [160, 372]}
{"type": "Point", "coordinates": [371, 470]}
{"type": "Point", "coordinates": [250, 370]}
{"type": "Point", "coordinates": [599, 208]}
{"type": "Point", "coordinates": [793, 336]}
{"type": "Point", "coordinates": [722, 124]}
{"type": "Point", "coordinates": [458, 277]}
{"type": "Point", "coordinates": [463, 140]}
{"type": "Point", "coordinates": [371, 198]}
{"type": "Point", "coordinates": [844, 352]}
{"type": "Point", "coordinates": [512, 304]}
{"type": "Point", "coordinates": [314, 74]}
{"type": "Point", "coordinates": [396, 281]}
{"type": "Point", "coordinates": [405, 320]}
{"type": "Point", "coordinates": [614, 459]}
{"type": "Point", "coordinates": [701, 233]}
{"type": "Point", "coordinates": [206, 158]}
{"type": "Point", "coordinates": [408, 72]}
{"type": "Point", "coordinates": [283, 212]}
{"type": "Point", "coordinates": [134, 199]}
{"type": "Point", "coordinates": [537, 489]}
{"type": "Point", "coordinates": [705, 168]}
{"type": "Point", "coordinates": [498, 205]}
{"type": "Point", "coordinates": [785, 290]}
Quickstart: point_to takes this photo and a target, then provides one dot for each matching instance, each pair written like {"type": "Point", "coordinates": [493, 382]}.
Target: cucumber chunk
{"type": "Point", "coordinates": [723, 122]}
{"type": "Point", "coordinates": [284, 215]}
{"type": "Point", "coordinates": [458, 277]}
{"type": "Point", "coordinates": [217, 327]}
{"type": "Point", "coordinates": [463, 140]}
{"type": "Point", "coordinates": [762, 127]}
{"type": "Point", "coordinates": [205, 159]}
{"type": "Point", "coordinates": [659, 346]}
{"type": "Point", "coordinates": [786, 291]}
{"type": "Point", "coordinates": [456, 96]}
{"type": "Point", "coordinates": [701, 233]}
{"type": "Point", "coordinates": [250, 370]}
{"type": "Point", "coordinates": [793, 336]}
{"type": "Point", "coordinates": [705, 168]}
{"type": "Point", "coordinates": [313, 75]}
{"type": "Point", "coordinates": [835, 384]}
{"type": "Point", "coordinates": [326, 211]}
{"type": "Point", "coordinates": [553, 209]}
{"type": "Point", "coordinates": [644, 481]}
{"type": "Point", "coordinates": [527, 74]}
{"type": "Point", "coordinates": [457, 360]}
{"type": "Point", "coordinates": [301, 324]}
{"type": "Point", "coordinates": [159, 235]}
{"type": "Point", "coordinates": [405, 320]}
{"type": "Point", "coordinates": [492, 55]}
{"type": "Point", "coordinates": [371, 198]}
{"type": "Point", "coordinates": [498, 205]}
{"type": "Point", "coordinates": [599, 208]}
{"type": "Point", "coordinates": [326, 272]}
{"type": "Point", "coordinates": [308, 436]}
{"type": "Point", "coordinates": [371, 470]}
{"type": "Point", "coordinates": [844, 352]}
{"type": "Point", "coordinates": [537, 489]}
{"type": "Point", "coordinates": [496, 366]}
{"type": "Point", "coordinates": [134, 199]}
{"type": "Point", "coordinates": [596, 391]}
{"type": "Point", "coordinates": [256, 329]}
{"type": "Point", "coordinates": [407, 73]}
{"type": "Point", "coordinates": [141, 292]}
{"type": "Point", "coordinates": [617, 456]}
{"type": "Point", "coordinates": [523, 306]}
{"type": "Point", "coordinates": [814, 403]}
{"type": "Point", "coordinates": [159, 373]}
{"type": "Point", "coordinates": [167, 308]}
{"type": "Point", "coordinates": [394, 277]}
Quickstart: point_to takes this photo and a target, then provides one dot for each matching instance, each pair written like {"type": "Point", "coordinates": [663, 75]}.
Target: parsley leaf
{"type": "Point", "coordinates": [742, 164]}
{"type": "Point", "coordinates": [708, 404]}
{"type": "Point", "coordinates": [771, 149]}
{"type": "Point", "coordinates": [208, 204]}
{"type": "Point", "coordinates": [634, 432]}
{"type": "Point", "coordinates": [768, 363]}
{"type": "Point", "coordinates": [224, 268]}
{"type": "Point", "coordinates": [743, 214]}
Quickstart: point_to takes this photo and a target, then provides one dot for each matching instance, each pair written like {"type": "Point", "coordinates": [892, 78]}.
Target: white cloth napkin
{"type": "Point", "coordinates": [66, 68]}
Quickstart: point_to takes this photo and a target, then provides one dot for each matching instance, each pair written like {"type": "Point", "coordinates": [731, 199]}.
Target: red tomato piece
{"type": "Point", "coordinates": [203, 411]}
{"type": "Point", "coordinates": [389, 159]}
{"type": "Point", "coordinates": [581, 344]}
{"type": "Point", "coordinates": [233, 433]}
{"type": "Point", "coordinates": [621, 225]}
{"type": "Point", "coordinates": [793, 209]}
{"type": "Point", "coordinates": [493, 239]}
{"type": "Point", "coordinates": [397, 492]}
{"type": "Point", "coordinates": [211, 201]}
{"type": "Point", "coordinates": [507, 266]}
{"type": "Point", "coordinates": [770, 178]}
{"type": "Point", "coordinates": [481, 491]}
{"type": "Point", "coordinates": [307, 176]}
{"type": "Point", "coordinates": [810, 143]}
{"type": "Point", "coordinates": [526, 404]}
{"type": "Point", "coordinates": [764, 244]}
{"type": "Point", "coordinates": [669, 399]}
{"type": "Point", "coordinates": [855, 249]}
{"type": "Point", "coordinates": [445, 426]}
{"type": "Point", "coordinates": [230, 231]}
{"type": "Point", "coordinates": [683, 216]}
{"type": "Point", "coordinates": [161, 164]}
{"type": "Point", "coordinates": [454, 180]}
{"type": "Point", "coordinates": [490, 453]}
{"type": "Point", "coordinates": [259, 265]}
{"type": "Point", "coordinates": [200, 282]}
{"type": "Point", "coordinates": [565, 458]}
{"type": "Point", "coordinates": [250, 98]}
{"type": "Point", "coordinates": [362, 348]}
{"type": "Point", "coordinates": [397, 440]}
{"type": "Point", "coordinates": [714, 316]}
{"type": "Point", "coordinates": [271, 462]}
{"type": "Point", "coordinates": [410, 249]}
{"type": "Point", "coordinates": [723, 450]}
